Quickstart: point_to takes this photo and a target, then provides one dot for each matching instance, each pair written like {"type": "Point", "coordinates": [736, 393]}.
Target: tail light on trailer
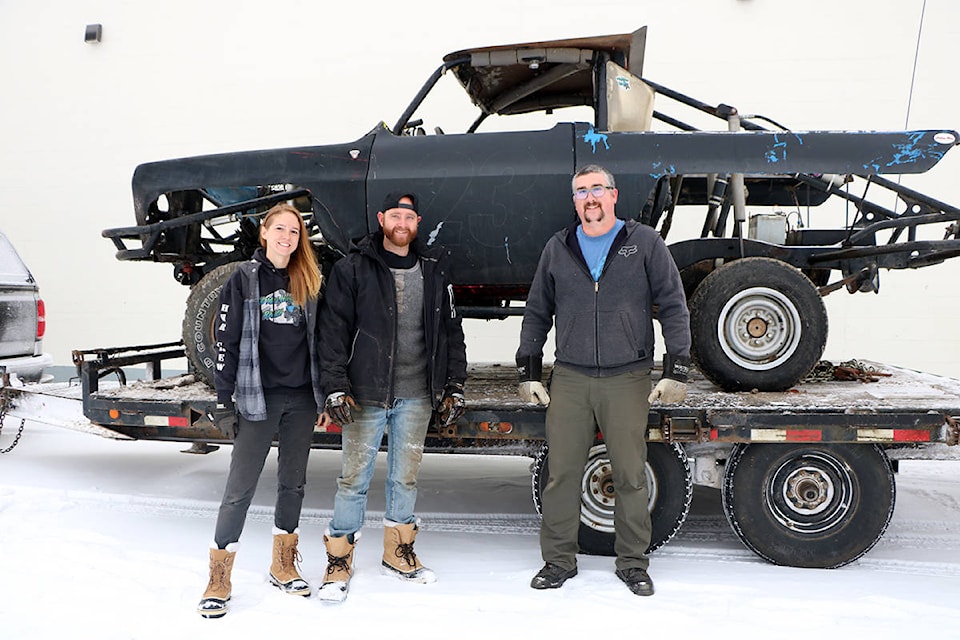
{"type": "Point", "coordinates": [41, 318]}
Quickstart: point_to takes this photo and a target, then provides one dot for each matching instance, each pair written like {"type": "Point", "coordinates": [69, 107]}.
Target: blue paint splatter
{"type": "Point", "coordinates": [593, 138]}
{"type": "Point", "coordinates": [778, 152]}
{"type": "Point", "coordinates": [911, 152]}
{"type": "Point", "coordinates": [668, 170]}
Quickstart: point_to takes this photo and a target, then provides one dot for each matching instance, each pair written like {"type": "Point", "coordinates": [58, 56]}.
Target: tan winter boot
{"type": "Point", "coordinates": [399, 560]}
{"type": "Point", "coordinates": [336, 582]}
{"type": "Point", "coordinates": [283, 569]}
{"type": "Point", "coordinates": [213, 604]}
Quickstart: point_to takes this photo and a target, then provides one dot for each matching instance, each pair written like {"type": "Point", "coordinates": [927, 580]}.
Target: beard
{"type": "Point", "coordinates": [400, 239]}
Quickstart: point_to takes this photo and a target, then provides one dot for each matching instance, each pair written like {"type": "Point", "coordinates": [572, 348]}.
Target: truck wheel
{"type": "Point", "coordinates": [199, 318]}
{"type": "Point", "coordinates": [669, 481]}
{"type": "Point", "coordinates": [809, 505]}
{"type": "Point", "coordinates": [757, 323]}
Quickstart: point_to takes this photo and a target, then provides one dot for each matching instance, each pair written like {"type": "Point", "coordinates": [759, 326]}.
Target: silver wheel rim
{"type": "Point", "coordinates": [759, 328]}
{"type": "Point", "coordinates": [597, 493]}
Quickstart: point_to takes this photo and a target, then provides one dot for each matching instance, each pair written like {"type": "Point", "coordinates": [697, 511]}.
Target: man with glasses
{"type": "Point", "coordinates": [600, 279]}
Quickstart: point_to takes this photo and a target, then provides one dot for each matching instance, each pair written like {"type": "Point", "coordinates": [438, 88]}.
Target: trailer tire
{"type": "Point", "coordinates": [668, 479]}
{"type": "Point", "coordinates": [809, 505]}
{"type": "Point", "coordinates": [757, 323]}
{"type": "Point", "coordinates": [199, 339]}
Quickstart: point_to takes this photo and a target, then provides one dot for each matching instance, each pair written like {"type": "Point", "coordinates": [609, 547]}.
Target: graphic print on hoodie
{"type": "Point", "coordinates": [284, 363]}
{"type": "Point", "coordinates": [278, 307]}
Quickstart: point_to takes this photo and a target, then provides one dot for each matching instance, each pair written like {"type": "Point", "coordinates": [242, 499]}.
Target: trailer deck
{"type": "Point", "coordinates": [900, 410]}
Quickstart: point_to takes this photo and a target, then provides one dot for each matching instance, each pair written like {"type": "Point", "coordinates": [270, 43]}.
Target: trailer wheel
{"type": "Point", "coordinates": [671, 490]}
{"type": "Point", "coordinates": [815, 506]}
{"type": "Point", "coordinates": [198, 321]}
{"type": "Point", "coordinates": [757, 323]}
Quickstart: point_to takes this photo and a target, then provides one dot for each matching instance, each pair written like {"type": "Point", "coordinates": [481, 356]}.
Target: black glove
{"type": "Point", "coordinates": [452, 404]}
{"type": "Point", "coordinates": [224, 417]}
{"type": "Point", "coordinates": [339, 406]}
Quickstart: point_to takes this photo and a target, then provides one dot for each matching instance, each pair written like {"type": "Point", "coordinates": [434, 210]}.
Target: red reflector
{"type": "Point", "coordinates": [178, 421]}
{"type": "Point", "coordinates": [331, 427]}
{"type": "Point", "coordinates": [804, 435]}
{"type": "Point", "coordinates": [41, 318]}
{"type": "Point", "coordinates": [910, 435]}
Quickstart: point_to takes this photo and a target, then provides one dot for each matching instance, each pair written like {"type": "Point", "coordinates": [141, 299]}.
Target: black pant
{"type": "Point", "coordinates": [291, 417]}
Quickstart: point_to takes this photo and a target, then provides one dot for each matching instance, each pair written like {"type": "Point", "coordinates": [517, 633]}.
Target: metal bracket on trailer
{"type": "Point", "coordinates": [683, 429]}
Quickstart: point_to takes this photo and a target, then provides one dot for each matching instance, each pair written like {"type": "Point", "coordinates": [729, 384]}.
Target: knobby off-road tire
{"type": "Point", "coordinates": [757, 323]}
{"type": "Point", "coordinates": [669, 481]}
{"type": "Point", "coordinates": [809, 505]}
{"type": "Point", "coordinates": [199, 320]}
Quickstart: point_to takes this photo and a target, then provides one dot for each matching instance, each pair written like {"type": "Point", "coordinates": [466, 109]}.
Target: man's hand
{"type": "Point", "coordinates": [534, 391]}
{"type": "Point", "coordinates": [452, 405]}
{"type": "Point", "coordinates": [339, 407]}
{"type": "Point", "coordinates": [224, 417]}
{"type": "Point", "coordinates": [668, 391]}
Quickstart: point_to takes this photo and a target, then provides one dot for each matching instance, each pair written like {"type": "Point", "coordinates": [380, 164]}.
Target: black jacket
{"type": "Point", "coordinates": [358, 325]}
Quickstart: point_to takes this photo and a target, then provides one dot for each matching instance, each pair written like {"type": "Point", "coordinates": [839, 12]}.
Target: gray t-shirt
{"type": "Point", "coordinates": [410, 372]}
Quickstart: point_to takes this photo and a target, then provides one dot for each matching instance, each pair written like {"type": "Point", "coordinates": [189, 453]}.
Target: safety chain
{"type": "Point", "coordinates": [826, 371]}
{"type": "Point", "coordinates": [4, 402]}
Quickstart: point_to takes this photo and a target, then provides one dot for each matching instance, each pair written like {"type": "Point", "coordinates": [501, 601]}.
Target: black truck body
{"type": "Point", "coordinates": [494, 197]}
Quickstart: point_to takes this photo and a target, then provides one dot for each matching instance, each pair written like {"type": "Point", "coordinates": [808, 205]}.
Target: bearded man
{"type": "Point", "coordinates": [393, 353]}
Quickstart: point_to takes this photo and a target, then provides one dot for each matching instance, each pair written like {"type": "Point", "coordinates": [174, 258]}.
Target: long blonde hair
{"type": "Point", "coordinates": [303, 270]}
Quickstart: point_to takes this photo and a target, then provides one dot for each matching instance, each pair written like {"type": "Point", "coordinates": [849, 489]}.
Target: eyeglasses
{"type": "Point", "coordinates": [596, 192]}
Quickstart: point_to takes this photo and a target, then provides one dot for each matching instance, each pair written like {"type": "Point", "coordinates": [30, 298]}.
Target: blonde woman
{"type": "Point", "coordinates": [268, 384]}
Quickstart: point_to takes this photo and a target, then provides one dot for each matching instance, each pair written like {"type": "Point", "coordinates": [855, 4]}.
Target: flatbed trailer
{"type": "Point", "coordinates": [807, 476]}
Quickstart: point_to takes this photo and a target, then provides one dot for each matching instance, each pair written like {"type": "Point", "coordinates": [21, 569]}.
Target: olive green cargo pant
{"type": "Point", "coordinates": [618, 406]}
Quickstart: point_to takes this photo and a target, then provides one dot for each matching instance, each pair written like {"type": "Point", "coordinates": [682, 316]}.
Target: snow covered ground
{"type": "Point", "coordinates": [108, 539]}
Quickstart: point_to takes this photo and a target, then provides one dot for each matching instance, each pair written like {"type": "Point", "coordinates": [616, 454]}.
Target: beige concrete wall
{"type": "Point", "coordinates": [179, 78]}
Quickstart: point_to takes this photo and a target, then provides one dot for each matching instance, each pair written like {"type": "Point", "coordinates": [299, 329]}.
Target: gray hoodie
{"type": "Point", "coordinates": [605, 328]}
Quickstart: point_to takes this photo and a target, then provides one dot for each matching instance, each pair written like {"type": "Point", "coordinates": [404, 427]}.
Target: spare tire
{"type": "Point", "coordinates": [199, 339]}
{"type": "Point", "coordinates": [757, 323]}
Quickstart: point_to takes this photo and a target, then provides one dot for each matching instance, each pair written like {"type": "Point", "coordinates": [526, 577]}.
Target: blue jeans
{"type": "Point", "coordinates": [406, 427]}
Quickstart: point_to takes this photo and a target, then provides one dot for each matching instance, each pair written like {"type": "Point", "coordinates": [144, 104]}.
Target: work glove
{"type": "Point", "coordinates": [224, 417]}
{"type": "Point", "coordinates": [668, 391]}
{"type": "Point", "coordinates": [339, 407]}
{"type": "Point", "coordinates": [452, 404]}
{"type": "Point", "coordinates": [529, 369]}
{"type": "Point", "coordinates": [672, 387]}
{"type": "Point", "coordinates": [534, 391]}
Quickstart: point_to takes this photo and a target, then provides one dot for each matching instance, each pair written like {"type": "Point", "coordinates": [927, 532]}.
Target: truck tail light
{"type": "Point", "coordinates": [41, 318]}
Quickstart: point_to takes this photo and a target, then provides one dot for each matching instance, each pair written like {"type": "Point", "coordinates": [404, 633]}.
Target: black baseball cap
{"type": "Point", "coordinates": [392, 201]}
